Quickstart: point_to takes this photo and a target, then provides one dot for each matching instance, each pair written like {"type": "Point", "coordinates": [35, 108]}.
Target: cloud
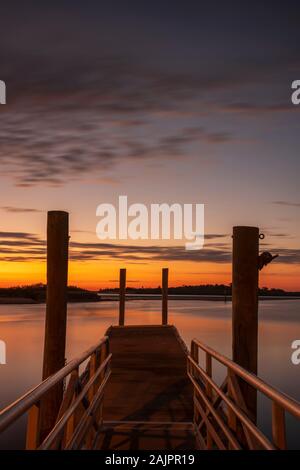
{"type": "Point", "coordinates": [80, 109]}
{"type": "Point", "coordinates": [17, 246]}
{"type": "Point", "coordinates": [19, 210]}
{"type": "Point", "coordinates": [281, 235]}
{"type": "Point", "coordinates": [287, 203]}
{"type": "Point", "coordinates": [27, 247]}
{"type": "Point", "coordinates": [130, 253]}
{"type": "Point", "coordinates": [41, 146]}
{"type": "Point", "coordinates": [287, 255]}
{"type": "Point", "coordinates": [274, 232]}
{"type": "Point", "coordinates": [82, 104]}
{"type": "Point", "coordinates": [83, 231]}
{"type": "Point", "coordinates": [19, 236]}
{"type": "Point", "coordinates": [258, 108]}
{"type": "Point", "coordinates": [21, 247]}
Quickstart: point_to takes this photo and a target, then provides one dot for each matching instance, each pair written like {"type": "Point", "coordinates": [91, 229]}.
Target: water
{"type": "Point", "coordinates": [22, 328]}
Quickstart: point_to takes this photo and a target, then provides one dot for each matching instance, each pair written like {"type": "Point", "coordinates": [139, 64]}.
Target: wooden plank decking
{"type": "Point", "coordinates": [149, 399]}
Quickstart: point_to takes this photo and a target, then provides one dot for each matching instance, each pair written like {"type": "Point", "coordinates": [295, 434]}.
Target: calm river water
{"type": "Point", "coordinates": [22, 329]}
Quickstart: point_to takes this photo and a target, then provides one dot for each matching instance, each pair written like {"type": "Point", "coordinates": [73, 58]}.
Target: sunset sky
{"type": "Point", "coordinates": [186, 102]}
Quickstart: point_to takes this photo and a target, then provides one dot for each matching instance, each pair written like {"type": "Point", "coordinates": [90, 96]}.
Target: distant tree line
{"type": "Point", "coordinates": [37, 293]}
{"type": "Point", "coordinates": [203, 289]}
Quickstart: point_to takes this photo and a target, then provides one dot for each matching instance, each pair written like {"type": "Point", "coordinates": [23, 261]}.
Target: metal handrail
{"type": "Point", "coordinates": [237, 411]}
{"type": "Point", "coordinates": [230, 410]}
{"type": "Point", "coordinates": [288, 403]}
{"type": "Point", "coordinates": [59, 426]}
{"type": "Point", "coordinates": [12, 412]}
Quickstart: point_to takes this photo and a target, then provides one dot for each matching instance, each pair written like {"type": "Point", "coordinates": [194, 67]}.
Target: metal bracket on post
{"type": "Point", "coordinates": [265, 258]}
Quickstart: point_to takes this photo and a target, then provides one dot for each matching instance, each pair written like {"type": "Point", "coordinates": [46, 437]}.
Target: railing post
{"type": "Point", "coordinates": [232, 421]}
{"type": "Point", "coordinates": [56, 314]}
{"type": "Point", "coordinates": [33, 430]}
{"type": "Point", "coordinates": [195, 351]}
{"type": "Point", "coordinates": [72, 421]}
{"type": "Point", "coordinates": [90, 395]}
{"type": "Point", "coordinates": [245, 307]}
{"type": "Point", "coordinates": [165, 276]}
{"type": "Point", "coordinates": [92, 371]}
{"type": "Point", "coordinates": [209, 394]}
{"type": "Point", "coordinates": [278, 426]}
{"type": "Point", "coordinates": [104, 351]}
{"type": "Point", "coordinates": [122, 293]}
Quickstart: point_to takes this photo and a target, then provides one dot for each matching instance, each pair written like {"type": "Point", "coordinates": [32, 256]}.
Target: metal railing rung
{"type": "Point", "coordinates": [235, 422]}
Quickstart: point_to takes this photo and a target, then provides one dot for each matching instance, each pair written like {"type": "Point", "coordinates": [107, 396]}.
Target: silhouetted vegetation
{"type": "Point", "coordinates": [37, 293]}
{"type": "Point", "coordinates": [204, 289]}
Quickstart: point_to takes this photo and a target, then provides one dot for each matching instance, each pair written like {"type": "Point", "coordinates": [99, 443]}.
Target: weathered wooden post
{"type": "Point", "coordinates": [56, 313]}
{"type": "Point", "coordinates": [122, 293]}
{"type": "Point", "coordinates": [164, 291]}
{"type": "Point", "coordinates": [245, 307]}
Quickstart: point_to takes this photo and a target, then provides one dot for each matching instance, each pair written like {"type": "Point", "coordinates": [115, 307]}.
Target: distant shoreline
{"type": "Point", "coordinates": [114, 298]}
{"type": "Point", "coordinates": [37, 293]}
{"type": "Point", "coordinates": [16, 301]}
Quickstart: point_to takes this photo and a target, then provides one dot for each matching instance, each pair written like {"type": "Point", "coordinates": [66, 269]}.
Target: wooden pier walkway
{"type": "Point", "coordinates": [149, 398]}
{"type": "Point", "coordinates": [140, 389]}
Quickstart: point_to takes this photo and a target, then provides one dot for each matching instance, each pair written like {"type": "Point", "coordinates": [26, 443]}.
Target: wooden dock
{"type": "Point", "coordinates": [141, 389]}
{"type": "Point", "coordinates": [149, 397]}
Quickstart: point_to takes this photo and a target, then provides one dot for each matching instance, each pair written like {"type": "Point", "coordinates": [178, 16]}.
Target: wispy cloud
{"type": "Point", "coordinates": [17, 246]}
{"type": "Point", "coordinates": [18, 236]}
{"type": "Point", "coordinates": [22, 246]}
{"type": "Point", "coordinates": [258, 108]}
{"type": "Point", "coordinates": [79, 111]}
{"type": "Point", "coordinates": [19, 210]}
{"type": "Point", "coordinates": [287, 203]}
{"type": "Point", "coordinates": [53, 150]}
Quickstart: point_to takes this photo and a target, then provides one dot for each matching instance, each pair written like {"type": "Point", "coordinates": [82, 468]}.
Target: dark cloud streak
{"type": "Point", "coordinates": [20, 210]}
{"type": "Point", "coordinates": [22, 246]}
{"type": "Point", "coordinates": [287, 203]}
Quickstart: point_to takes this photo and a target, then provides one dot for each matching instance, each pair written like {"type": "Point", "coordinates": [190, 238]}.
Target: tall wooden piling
{"type": "Point", "coordinates": [122, 293]}
{"type": "Point", "coordinates": [245, 307]}
{"type": "Point", "coordinates": [164, 289]}
{"type": "Point", "coordinates": [56, 313]}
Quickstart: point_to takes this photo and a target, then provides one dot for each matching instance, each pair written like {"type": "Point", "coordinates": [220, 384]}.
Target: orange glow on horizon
{"type": "Point", "coordinates": [105, 273]}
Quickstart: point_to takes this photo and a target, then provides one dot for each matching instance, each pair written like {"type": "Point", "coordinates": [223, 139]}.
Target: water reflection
{"type": "Point", "coordinates": [22, 328]}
